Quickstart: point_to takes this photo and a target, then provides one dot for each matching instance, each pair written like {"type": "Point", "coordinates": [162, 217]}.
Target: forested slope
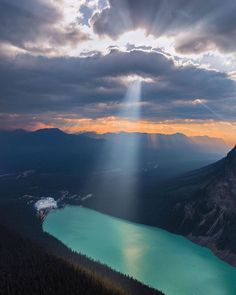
{"type": "Point", "coordinates": [27, 269]}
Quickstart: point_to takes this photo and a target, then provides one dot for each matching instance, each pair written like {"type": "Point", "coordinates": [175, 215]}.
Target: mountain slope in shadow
{"type": "Point", "coordinates": [204, 207]}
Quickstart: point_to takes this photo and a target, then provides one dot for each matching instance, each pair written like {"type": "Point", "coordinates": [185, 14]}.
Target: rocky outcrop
{"type": "Point", "coordinates": [208, 216]}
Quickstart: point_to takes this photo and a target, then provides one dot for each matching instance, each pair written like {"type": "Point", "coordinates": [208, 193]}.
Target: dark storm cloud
{"type": "Point", "coordinates": [205, 24]}
{"type": "Point", "coordinates": [40, 84]}
{"type": "Point", "coordinates": [27, 21]}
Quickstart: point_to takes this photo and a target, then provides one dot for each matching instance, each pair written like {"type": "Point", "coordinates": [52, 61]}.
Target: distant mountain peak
{"type": "Point", "coordinates": [179, 134]}
{"type": "Point", "coordinates": [50, 130]}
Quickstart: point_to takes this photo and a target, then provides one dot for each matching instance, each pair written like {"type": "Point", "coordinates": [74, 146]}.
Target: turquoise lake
{"type": "Point", "coordinates": [153, 256]}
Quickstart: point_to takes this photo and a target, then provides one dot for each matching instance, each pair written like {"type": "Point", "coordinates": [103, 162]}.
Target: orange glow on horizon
{"type": "Point", "coordinates": [224, 130]}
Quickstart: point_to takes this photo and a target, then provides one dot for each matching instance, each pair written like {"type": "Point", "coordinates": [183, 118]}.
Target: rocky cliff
{"type": "Point", "coordinates": [207, 214]}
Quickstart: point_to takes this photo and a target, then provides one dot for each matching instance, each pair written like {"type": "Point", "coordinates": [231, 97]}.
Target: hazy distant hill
{"type": "Point", "coordinates": [46, 150]}
{"type": "Point", "coordinates": [210, 143]}
{"type": "Point", "coordinates": [51, 150]}
{"type": "Point", "coordinates": [175, 141]}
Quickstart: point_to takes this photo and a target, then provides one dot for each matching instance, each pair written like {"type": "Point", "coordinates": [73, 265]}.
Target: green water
{"type": "Point", "coordinates": [155, 257]}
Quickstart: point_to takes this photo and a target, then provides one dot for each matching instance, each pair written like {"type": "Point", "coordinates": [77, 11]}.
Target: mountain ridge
{"type": "Point", "coordinates": [208, 214]}
{"type": "Point", "coordinates": [53, 149]}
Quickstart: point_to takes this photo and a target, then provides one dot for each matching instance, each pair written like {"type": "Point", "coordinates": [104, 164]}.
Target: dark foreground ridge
{"type": "Point", "coordinates": [26, 269]}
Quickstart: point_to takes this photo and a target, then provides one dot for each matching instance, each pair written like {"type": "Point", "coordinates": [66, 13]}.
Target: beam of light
{"type": "Point", "coordinates": [123, 147]}
{"type": "Point", "coordinates": [117, 182]}
{"type": "Point", "coordinates": [202, 102]}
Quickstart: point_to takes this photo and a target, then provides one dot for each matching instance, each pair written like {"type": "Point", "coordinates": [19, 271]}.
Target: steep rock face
{"type": "Point", "coordinates": [208, 216]}
{"type": "Point", "coordinates": [222, 191]}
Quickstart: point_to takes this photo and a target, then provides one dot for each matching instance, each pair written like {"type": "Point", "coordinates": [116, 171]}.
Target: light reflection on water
{"type": "Point", "coordinates": [160, 259]}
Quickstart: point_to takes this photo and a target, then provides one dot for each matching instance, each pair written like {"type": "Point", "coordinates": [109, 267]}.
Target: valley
{"type": "Point", "coordinates": [199, 205]}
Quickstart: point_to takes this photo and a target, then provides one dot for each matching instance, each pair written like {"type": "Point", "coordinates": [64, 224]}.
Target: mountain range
{"type": "Point", "coordinates": [51, 150]}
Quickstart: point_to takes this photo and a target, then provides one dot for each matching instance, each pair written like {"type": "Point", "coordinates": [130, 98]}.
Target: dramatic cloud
{"type": "Point", "coordinates": [198, 25]}
{"type": "Point", "coordinates": [39, 84]}
{"type": "Point", "coordinates": [36, 26]}
{"type": "Point", "coordinates": [69, 63]}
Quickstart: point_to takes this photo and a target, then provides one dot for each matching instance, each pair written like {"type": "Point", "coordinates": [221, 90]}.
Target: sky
{"type": "Point", "coordinates": [68, 64]}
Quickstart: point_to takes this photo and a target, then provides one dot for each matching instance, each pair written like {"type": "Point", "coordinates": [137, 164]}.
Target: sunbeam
{"type": "Point", "coordinates": [123, 148]}
{"type": "Point", "coordinates": [117, 182]}
{"type": "Point", "coordinates": [202, 103]}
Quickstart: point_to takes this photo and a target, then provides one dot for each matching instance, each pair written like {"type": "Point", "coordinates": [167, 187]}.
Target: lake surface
{"type": "Point", "coordinates": [155, 257]}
